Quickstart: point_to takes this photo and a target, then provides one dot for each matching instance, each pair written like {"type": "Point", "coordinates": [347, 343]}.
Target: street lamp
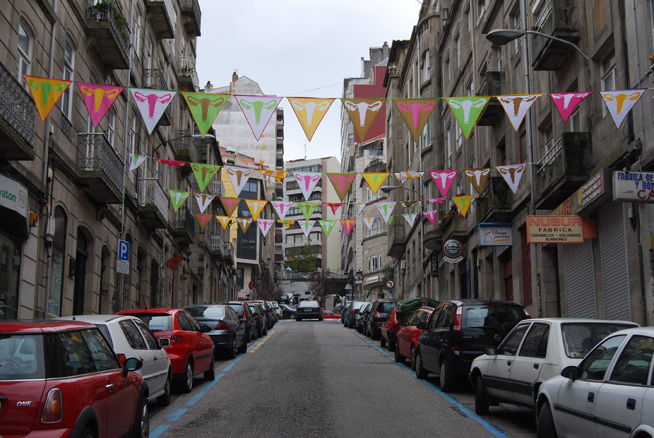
{"type": "Point", "coordinates": [348, 288]}
{"type": "Point", "coordinates": [502, 37]}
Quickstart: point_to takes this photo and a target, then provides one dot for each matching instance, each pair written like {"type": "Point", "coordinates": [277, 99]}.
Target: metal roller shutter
{"type": "Point", "coordinates": [615, 270]}
{"type": "Point", "coordinates": [579, 275]}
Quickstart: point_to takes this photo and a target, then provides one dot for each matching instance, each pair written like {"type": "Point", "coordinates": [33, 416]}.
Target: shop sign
{"type": "Point", "coordinates": [495, 234]}
{"type": "Point", "coordinates": [452, 250]}
{"type": "Point", "coordinates": [13, 196]}
{"type": "Point", "coordinates": [373, 279]}
{"type": "Point", "coordinates": [592, 193]}
{"type": "Point", "coordinates": [633, 186]}
{"type": "Point", "coordinates": [434, 266]}
{"type": "Point", "coordinates": [554, 229]}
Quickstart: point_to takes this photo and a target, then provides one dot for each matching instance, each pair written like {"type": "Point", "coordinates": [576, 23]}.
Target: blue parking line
{"type": "Point", "coordinates": [196, 398]}
{"type": "Point", "coordinates": [233, 362]}
{"type": "Point", "coordinates": [175, 415]}
{"type": "Point", "coordinates": [159, 430]}
{"type": "Point", "coordinates": [209, 385]}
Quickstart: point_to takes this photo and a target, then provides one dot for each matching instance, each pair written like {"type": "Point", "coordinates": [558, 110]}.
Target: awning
{"type": "Point", "coordinates": [13, 208]}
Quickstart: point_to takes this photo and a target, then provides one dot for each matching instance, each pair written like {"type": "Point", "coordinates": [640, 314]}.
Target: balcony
{"type": "Point", "coordinates": [183, 229]}
{"type": "Point", "coordinates": [100, 169]}
{"type": "Point", "coordinates": [396, 237]}
{"type": "Point", "coordinates": [494, 203]}
{"type": "Point", "coordinates": [184, 147]}
{"type": "Point", "coordinates": [163, 17]}
{"type": "Point", "coordinates": [216, 188]}
{"type": "Point", "coordinates": [152, 203]}
{"type": "Point", "coordinates": [186, 74]}
{"type": "Point", "coordinates": [109, 31]}
{"type": "Point", "coordinates": [17, 113]}
{"type": "Point", "coordinates": [192, 16]}
{"type": "Point", "coordinates": [564, 169]}
{"type": "Point", "coordinates": [493, 85]}
{"type": "Point", "coordinates": [222, 249]}
{"type": "Point", "coordinates": [561, 20]}
{"type": "Point", "coordinates": [433, 236]}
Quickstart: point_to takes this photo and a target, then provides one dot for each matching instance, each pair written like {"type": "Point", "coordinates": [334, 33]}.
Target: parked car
{"type": "Point", "coordinates": [226, 329]}
{"type": "Point", "coordinates": [246, 316]}
{"type": "Point", "coordinates": [287, 311]}
{"type": "Point", "coordinates": [352, 311]}
{"type": "Point", "coordinates": [328, 314]}
{"type": "Point", "coordinates": [378, 313]}
{"type": "Point", "coordinates": [308, 310]}
{"type": "Point", "coordinates": [460, 330]}
{"type": "Point", "coordinates": [609, 393]}
{"type": "Point", "coordinates": [346, 305]}
{"type": "Point", "coordinates": [259, 318]}
{"type": "Point", "coordinates": [55, 381]}
{"type": "Point", "coordinates": [191, 351]}
{"type": "Point", "coordinates": [407, 337]}
{"type": "Point", "coordinates": [534, 351]}
{"type": "Point", "coordinates": [269, 311]}
{"type": "Point", "coordinates": [360, 318]}
{"type": "Point", "coordinates": [280, 314]}
{"type": "Point", "coordinates": [128, 336]}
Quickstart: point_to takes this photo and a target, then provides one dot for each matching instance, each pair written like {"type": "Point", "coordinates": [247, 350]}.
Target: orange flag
{"type": "Point", "coordinates": [462, 203]}
{"type": "Point", "coordinates": [224, 221]}
{"type": "Point", "coordinates": [244, 223]}
{"type": "Point", "coordinates": [45, 92]}
{"type": "Point", "coordinates": [310, 112]}
{"type": "Point", "coordinates": [363, 113]}
{"type": "Point", "coordinates": [477, 178]}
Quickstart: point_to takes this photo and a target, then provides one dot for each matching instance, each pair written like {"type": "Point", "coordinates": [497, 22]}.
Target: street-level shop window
{"type": "Point", "coordinates": [58, 259]}
{"type": "Point", "coordinates": [10, 257]}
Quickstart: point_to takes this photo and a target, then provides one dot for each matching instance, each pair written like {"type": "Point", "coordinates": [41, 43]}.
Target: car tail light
{"type": "Point", "coordinates": [527, 314]}
{"type": "Point", "coordinates": [53, 409]}
{"type": "Point", "coordinates": [245, 317]}
{"type": "Point", "coordinates": [176, 338]}
{"type": "Point", "coordinates": [256, 317]}
{"type": "Point", "coordinates": [121, 358]}
{"type": "Point", "coordinates": [377, 315]}
{"type": "Point", "coordinates": [222, 325]}
{"type": "Point", "coordinates": [457, 319]}
{"type": "Point", "coordinates": [454, 348]}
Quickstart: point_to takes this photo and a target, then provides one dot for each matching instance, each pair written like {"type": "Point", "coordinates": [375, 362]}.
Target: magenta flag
{"type": "Point", "coordinates": [98, 99]}
{"type": "Point", "coordinates": [566, 103]}
{"type": "Point", "coordinates": [431, 215]}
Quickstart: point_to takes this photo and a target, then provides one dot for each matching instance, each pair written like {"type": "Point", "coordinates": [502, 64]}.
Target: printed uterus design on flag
{"type": "Point", "coordinates": [468, 107]}
{"type": "Point", "coordinates": [363, 113]}
{"type": "Point", "coordinates": [307, 182]}
{"type": "Point", "coordinates": [566, 103]}
{"type": "Point", "coordinates": [512, 174]}
{"type": "Point", "coordinates": [238, 176]}
{"type": "Point", "coordinates": [151, 104]}
{"type": "Point", "coordinates": [620, 102]}
{"type": "Point", "coordinates": [415, 113]}
{"type": "Point", "coordinates": [281, 208]}
{"type": "Point", "coordinates": [443, 179]}
{"type": "Point", "coordinates": [258, 111]}
{"type": "Point", "coordinates": [98, 99]}
{"type": "Point", "coordinates": [516, 107]}
{"type": "Point", "coordinates": [310, 112]}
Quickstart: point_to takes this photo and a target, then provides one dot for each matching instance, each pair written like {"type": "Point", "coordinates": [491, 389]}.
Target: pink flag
{"type": "Point", "coordinates": [98, 99]}
{"type": "Point", "coordinates": [443, 179]}
{"type": "Point", "coordinates": [431, 215]}
{"type": "Point", "coordinates": [348, 224]}
{"type": "Point", "coordinates": [171, 163]}
{"type": "Point", "coordinates": [333, 205]}
{"type": "Point", "coordinates": [439, 200]}
{"type": "Point", "coordinates": [566, 103]}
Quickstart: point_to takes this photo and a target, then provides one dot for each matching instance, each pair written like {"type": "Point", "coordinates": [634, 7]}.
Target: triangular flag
{"type": "Point", "coordinates": [244, 223]}
{"type": "Point", "coordinates": [369, 221]}
{"type": "Point", "coordinates": [255, 206]}
{"type": "Point", "coordinates": [385, 209]}
{"type": "Point", "coordinates": [620, 102]}
{"type": "Point", "coordinates": [203, 201]}
{"type": "Point", "coordinates": [152, 104]}
{"type": "Point", "coordinates": [363, 113]}
{"type": "Point", "coordinates": [204, 108]}
{"type": "Point", "coordinates": [135, 161]}
{"type": "Point", "coordinates": [310, 112]}
{"type": "Point", "coordinates": [203, 219]}
{"type": "Point", "coordinates": [307, 208]}
{"type": "Point", "coordinates": [178, 198]}
{"type": "Point", "coordinates": [404, 176]}
{"type": "Point", "coordinates": [431, 215]}
{"type": "Point", "coordinates": [224, 221]}
{"type": "Point", "coordinates": [287, 222]}
{"type": "Point", "coordinates": [415, 113]}
{"type": "Point", "coordinates": [45, 92]}
{"type": "Point", "coordinates": [466, 111]}
{"type": "Point", "coordinates": [512, 174]}
{"type": "Point", "coordinates": [410, 218]}
{"type": "Point", "coordinates": [477, 178]}
{"type": "Point", "coordinates": [307, 182]}
{"type": "Point", "coordinates": [306, 226]}
{"type": "Point", "coordinates": [203, 173]}
{"type": "Point", "coordinates": [171, 163]}
{"type": "Point", "coordinates": [238, 176]}
{"type": "Point", "coordinates": [566, 103]}
{"type": "Point", "coordinates": [230, 204]}
{"type": "Point", "coordinates": [444, 179]}
{"type": "Point", "coordinates": [327, 226]}
{"type": "Point", "coordinates": [409, 204]}
{"type": "Point", "coordinates": [281, 208]}
{"type": "Point", "coordinates": [463, 203]}
{"type": "Point", "coordinates": [433, 200]}
{"type": "Point", "coordinates": [258, 110]}
{"type": "Point", "coordinates": [341, 182]}
{"type": "Point", "coordinates": [375, 180]}
{"type": "Point", "coordinates": [98, 99]}
{"type": "Point", "coordinates": [265, 225]}
{"type": "Point", "coordinates": [348, 224]}
{"type": "Point", "coordinates": [333, 205]}
{"type": "Point", "coordinates": [279, 175]}
{"type": "Point", "coordinates": [516, 106]}
{"type": "Point", "coordinates": [360, 207]}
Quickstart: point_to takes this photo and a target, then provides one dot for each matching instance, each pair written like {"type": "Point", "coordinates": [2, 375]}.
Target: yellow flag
{"type": "Point", "coordinates": [45, 92]}
{"type": "Point", "coordinates": [310, 112]}
{"type": "Point", "coordinates": [462, 203]}
{"type": "Point", "coordinates": [224, 221]}
{"type": "Point", "coordinates": [375, 180]}
{"type": "Point", "coordinates": [255, 206]}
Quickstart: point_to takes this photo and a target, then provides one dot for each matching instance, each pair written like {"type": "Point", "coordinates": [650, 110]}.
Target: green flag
{"type": "Point", "coordinates": [327, 226]}
{"type": "Point", "coordinates": [203, 174]}
{"type": "Point", "coordinates": [467, 110]}
{"type": "Point", "coordinates": [307, 208]}
{"type": "Point", "coordinates": [204, 108]}
{"type": "Point", "coordinates": [178, 198]}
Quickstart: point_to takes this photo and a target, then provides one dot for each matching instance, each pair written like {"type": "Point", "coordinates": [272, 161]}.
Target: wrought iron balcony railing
{"type": "Point", "coordinates": [97, 154]}
{"type": "Point", "coordinates": [17, 109]}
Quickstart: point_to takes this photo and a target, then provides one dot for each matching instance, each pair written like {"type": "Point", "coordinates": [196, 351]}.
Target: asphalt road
{"type": "Point", "coordinates": [319, 379]}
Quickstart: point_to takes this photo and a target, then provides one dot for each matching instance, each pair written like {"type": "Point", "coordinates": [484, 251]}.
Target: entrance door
{"type": "Point", "coordinates": [80, 274]}
{"type": "Point", "coordinates": [154, 284]}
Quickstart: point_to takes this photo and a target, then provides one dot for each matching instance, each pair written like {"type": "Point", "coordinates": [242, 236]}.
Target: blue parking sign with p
{"type": "Point", "coordinates": [123, 250]}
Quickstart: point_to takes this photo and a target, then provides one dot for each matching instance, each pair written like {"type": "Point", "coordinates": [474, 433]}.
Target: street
{"type": "Point", "coordinates": [314, 379]}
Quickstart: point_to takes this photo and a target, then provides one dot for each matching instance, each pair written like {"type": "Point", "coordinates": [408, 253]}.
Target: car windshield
{"type": "Point", "coordinates": [492, 316]}
{"type": "Point", "coordinates": [580, 338]}
{"type": "Point", "coordinates": [385, 307]}
{"type": "Point", "coordinates": [212, 312]}
{"type": "Point", "coordinates": [157, 323]}
{"type": "Point", "coordinates": [21, 357]}
{"type": "Point", "coordinates": [238, 308]}
{"type": "Point", "coordinates": [105, 332]}
{"type": "Point", "coordinates": [304, 304]}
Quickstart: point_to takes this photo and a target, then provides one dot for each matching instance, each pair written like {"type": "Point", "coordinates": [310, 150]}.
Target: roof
{"type": "Point", "coordinates": [92, 319]}
{"type": "Point", "coordinates": [40, 326]}
{"type": "Point", "coordinates": [580, 321]}
{"type": "Point", "coordinates": [143, 311]}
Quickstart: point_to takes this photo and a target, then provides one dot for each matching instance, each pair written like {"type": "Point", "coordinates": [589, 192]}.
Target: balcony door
{"type": "Point", "coordinates": [81, 257]}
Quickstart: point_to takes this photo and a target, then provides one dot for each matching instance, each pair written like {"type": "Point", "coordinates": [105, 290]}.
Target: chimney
{"type": "Point", "coordinates": [234, 77]}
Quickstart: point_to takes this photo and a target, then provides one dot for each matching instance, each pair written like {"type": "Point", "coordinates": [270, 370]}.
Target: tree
{"type": "Point", "coordinates": [302, 258]}
{"type": "Point", "coordinates": [324, 284]}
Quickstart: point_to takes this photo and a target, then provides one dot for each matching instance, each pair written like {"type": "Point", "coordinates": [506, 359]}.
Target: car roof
{"type": "Point", "coordinates": [41, 326]}
{"type": "Point", "coordinates": [143, 311]}
{"type": "Point", "coordinates": [473, 301]}
{"type": "Point", "coordinates": [645, 331]}
{"type": "Point", "coordinates": [95, 319]}
{"type": "Point", "coordinates": [206, 305]}
{"type": "Point", "coordinates": [577, 320]}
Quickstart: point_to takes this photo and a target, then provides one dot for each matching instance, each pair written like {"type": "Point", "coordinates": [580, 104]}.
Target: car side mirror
{"type": "Point", "coordinates": [206, 328]}
{"type": "Point", "coordinates": [131, 364]}
{"type": "Point", "coordinates": [490, 351]}
{"type": "Point", "coordinates": [421, 325]}
{"type": "Point", "coordinates": [164, 342]}
{"type": "Point", "coordinates": [571, 372]}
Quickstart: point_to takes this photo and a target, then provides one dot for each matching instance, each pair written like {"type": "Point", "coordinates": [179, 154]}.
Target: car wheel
{"type": "Point", "coordinates": [382, 341]}
{"type": "Point", "coordinates": [319, 319]}
{"type": "Point", "coordinates": [481, 397]}
{"type": "Point", "coordinates": [187, 383]}
{"type": "Point", "coordinates": [413, 358]}
{"type": "Point", "coordinates": [244, 347]}
{"type": "Point", "coordinates": [398, 357]}
{"type": "Point", "coordinates": [164, 399]}
{"type": "Point", "coordinates": [546, 428]}
{"type": "Point", "coordinates": [421, 373]}
{"type": "Point", "coordinates": [446, 380]}
{"type": "Point", "coordinates": [231, 353]}
{"type": "Point", "coordinates": [88, 432]}
{"type": "Point", "coordinates": [142, 422]}
{"type": "Point", "coordinates": [259, 333]}
{"type": "Point", "coordinates": [391, 345]}
{"type": "Point", "coordinates": [373, 335]}
{"type": "Point", "coordinates": [210, 374]}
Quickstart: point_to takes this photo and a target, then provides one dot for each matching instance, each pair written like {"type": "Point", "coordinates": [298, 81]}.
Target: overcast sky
{"type": "Point", "coordinates": [298, 48]}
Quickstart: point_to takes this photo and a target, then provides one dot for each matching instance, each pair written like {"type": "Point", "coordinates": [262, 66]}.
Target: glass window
{"type": "Point", "coordinates": [21, 357]}
{"type": "Point", "coordinates": [69, 68]}
{"type": "Point", "coordinates": [415, 318]}
{"type": "Point", "coordinates": [512, 341]}
{"type": "Point", "coordinates": [444, 318]}
{"type": "Point", "coordinates": [67, 355]}
{"type": "Point", "coordinates": [449, 147]}
{"type": "Point", "coordinates": [634, 362]}
{"type": "Point", "coordinates": [609, 80]}
{"type": "Point", "coordinates": [132, 334]}
{"type": "Point", "coordinates": [207, 312]}
{"type": "Point", "coordinates": [150, 338]}
{"type": "Point", "coordinates": [105, 332]}
{"type": "Point", "coordinates": [499, 316]}
{"type": "Point", "coordinates": [24, 55]}
{"type": "Point", "coordinates": [111, 125]}
{"type": "Point", "coordinates": [57, 265]}
{"type": "Point", "coordinates": [535, 344]}
{"type": "Point", "coordinates": [194, 324]}
{"type": "Point", "coordinates": [457, 42]}
{"type": "Point", "coordinates": [184, 323]}
{"type": "Point", "coordinates": [157, 323]}
{"type": "Point", "coordinates": [579, 339]}
{"type": "Point", "coordinates": [459, 136]}
{"type": "Point", "coordinates": [10, 266]}
{"type": "Point", "coordinates": [595, 365]}
{"type": "Point", "coordinates": [103, 356]}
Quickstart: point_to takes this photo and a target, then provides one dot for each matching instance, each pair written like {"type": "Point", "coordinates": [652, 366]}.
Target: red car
{"type": "Point", "coordinates": [389, 328]}
{"type": "Point", "coordinates": [407, 336]}
{"type": "Point", "coordinates": [328, 314]}
{"type": "Point", "coordinates": [191, 351]}
{"type": "Point", "coordinates": [61, 378]}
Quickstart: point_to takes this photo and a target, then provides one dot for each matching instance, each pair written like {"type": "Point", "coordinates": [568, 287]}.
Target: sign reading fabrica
{"type": "Point", "coordinates": [554, 229]}
{"type": "Point", "coordinates": [633, 186]}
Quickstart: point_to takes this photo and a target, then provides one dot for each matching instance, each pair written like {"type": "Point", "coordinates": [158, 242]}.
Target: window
{"type": "Point", "coordinates": [449, 147]}
{"type": "Point", "coordinates": [111, 125]}
{"type": "Point", "coordinates": [24, 56]}
{"type": "Point", "coordinates": [69, 355]}
{"type": "Point", "coordinates": [471, 88]}
{"type": "Point", "coordinates": [459, 136]}
{"type": "Point", "coordinates": [370, 196]}
{"type": "Point", "coordinates": [575, 121]}
{"type": "Point", "coordinates": [523, 148]}
{"type": "Point", "coordinates": [597, 362]}
{"type": "Point", "coordinates": [481, 4]}
{"type": "Point", "coordinates": [426, 74]}
{"type": "Point", "coordinates": [608, 71]}
{"type": "Point", "coordinates": [132, 334]}
{"type": "Point", "coordinates": [469, 19]}
{"type": "Point", "coordinates": [426, 134]}
{"type": "Point", "coordinates": [69, 68]}
{"type": "Point", "coordinates": [535, 344]}
{"type": "Point", "coordinates": [634, 362]}
{"type": "Point", "coordinates": [510, 345]}
{"type": "Point", "coordinates": [58, 260]}
{"type": "Point", "coordinates": [517, 24]}
{"type": "Point", "coordinates": [447, 68]}
{"type": "Point", "coordinates": [548, 141]}
{"type": "Point", "coordinates": [499, 59]}
{"type": "Point", "coordinates": [457, 41]}
{"type": "Point", "coordinates": [147, 334]}
{"type": "Point", "coordinates": [289, 239]}
{"type": "Point", "coordinates": [137, 33]}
